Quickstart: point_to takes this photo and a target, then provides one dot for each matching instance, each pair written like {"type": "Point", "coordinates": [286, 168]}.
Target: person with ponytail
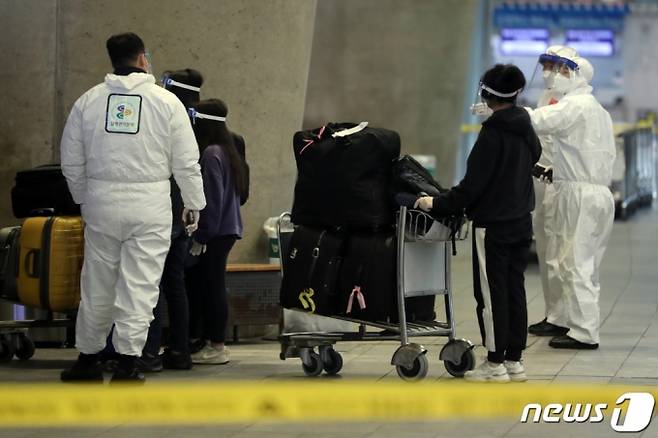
{"type": "Point", "coordinates": [220, 225]}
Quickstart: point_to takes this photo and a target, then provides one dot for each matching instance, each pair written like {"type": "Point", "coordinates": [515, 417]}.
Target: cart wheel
{"type": "Point", "coordinates": [315, 369]}
{"type": "Point", "coordinates": [24, 347]}
{"type": "Point", "coordinates": [417, 372]}
{"type": "Point", "coordinates": [467, 364]}
{"type": "Point", "coordinates": [6, 350]}
{"type": "Point", "coordinates": [335, 363]}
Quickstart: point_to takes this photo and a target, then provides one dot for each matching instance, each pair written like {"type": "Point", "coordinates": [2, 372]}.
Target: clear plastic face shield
{"type": "Point", "coordinates": [167, 82]}
{"type": "Point", "coordinates": [484, 88]}
{"type": "Point", "coordinates": [149, 62]}
{"type": "Point", "coordinates": [555, 74]}
{"type": "Point", "coordinates": [194, 115]}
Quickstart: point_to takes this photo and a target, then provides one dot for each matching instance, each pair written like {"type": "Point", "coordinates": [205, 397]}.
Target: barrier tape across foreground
{"type": "Point", "coordinates": [284, 401]}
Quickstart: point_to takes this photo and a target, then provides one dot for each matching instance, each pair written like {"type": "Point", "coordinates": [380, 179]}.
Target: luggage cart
{"type": "Point", "coordinates": [423, 268]}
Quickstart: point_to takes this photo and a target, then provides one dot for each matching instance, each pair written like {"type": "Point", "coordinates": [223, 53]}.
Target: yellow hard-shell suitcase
{"type": "Point", "coordinates": [50, 262]}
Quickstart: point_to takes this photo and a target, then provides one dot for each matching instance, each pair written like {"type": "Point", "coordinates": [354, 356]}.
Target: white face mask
{"type": "Point", "coordinates": [549, 79]}
{"type": "Point", "coordinates": [562, 84]}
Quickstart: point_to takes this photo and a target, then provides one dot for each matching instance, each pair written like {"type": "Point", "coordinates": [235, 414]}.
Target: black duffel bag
{"type": "Point", "coordinates": [310, 271]}
{"type": "Point", "coordinates": [42, 189]}
{"type": "Point", "coordinates": [344, 181]}
{"type": "Point", "coordinates": [368, 281]}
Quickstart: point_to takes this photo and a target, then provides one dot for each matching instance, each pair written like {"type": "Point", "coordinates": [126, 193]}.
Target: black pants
{"type": "Point", "coordinates": [172, 288]}
{"type": "Point", "coordinates": [500, 257]}
{"type": "Point", "coordinates": [206, 282]}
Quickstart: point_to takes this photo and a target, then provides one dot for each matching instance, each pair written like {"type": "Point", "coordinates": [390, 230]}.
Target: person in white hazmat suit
{"type": "Point", "coordinates": [582, 211]}
{"type": "Point", "coordinates": [123, 140]}
{"type": "Point", "coordinates": [541, 217]}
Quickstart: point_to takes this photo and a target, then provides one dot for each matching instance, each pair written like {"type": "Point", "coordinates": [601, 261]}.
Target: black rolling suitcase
{"type": "Point", "coordinates": [9, 256]}
{"type": "Point", "coordinates": [344, 181]}
{"type": "Point", "coordinates": [310, 271]}
{"type": "Point", "coordinates": [42, 188]}
{"type": "Point", "coordinates": [368, 281]}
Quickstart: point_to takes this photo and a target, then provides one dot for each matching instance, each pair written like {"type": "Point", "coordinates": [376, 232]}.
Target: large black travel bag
{"type": "Point", "coordinates": [42, 188]}
{"type": "Point", "coordinates": [368, 281]}
{"type": "Point", "coordinates": [9, 257]}
{"type": "Point", "coordinates": [343, 181]}
{"type": "Point", "coordinates": [310, 271]}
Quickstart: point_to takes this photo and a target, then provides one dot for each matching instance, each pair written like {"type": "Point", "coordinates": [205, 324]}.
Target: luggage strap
{"type": "Point", "coordinates": [315, 255]}
{"type": "Point", "coordinates": [356, 293]}
{"type": "Point", "coordinates": [310, 142]}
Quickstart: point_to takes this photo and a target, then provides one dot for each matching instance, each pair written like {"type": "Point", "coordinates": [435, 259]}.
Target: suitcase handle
{"type": "Point", "coordinates": [32, 261]}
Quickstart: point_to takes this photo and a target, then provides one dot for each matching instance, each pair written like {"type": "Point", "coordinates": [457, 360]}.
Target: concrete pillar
{"type": "Point", "coordinates": [401, 65]}
{"type": "Point", "coordinates": [254, 54]}
{"type": "Point", "coordinates": [27, 86]}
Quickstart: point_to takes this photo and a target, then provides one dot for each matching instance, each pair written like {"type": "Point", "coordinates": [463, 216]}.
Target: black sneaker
{"type": "Point", "coordinates": [175, 360]}
{"type": "Point", "coordinates": [149, 363]}
{"type": "Point", "coordinates": [545, 328]}
{"type": "Point", "coordinates": [127, 372]}
{"type": "Point", "coordinates": [122, 375]}
{"type": "Point", "coordinates": [85, 369]}
{"type": "Point", "coordinates": [569, 343]}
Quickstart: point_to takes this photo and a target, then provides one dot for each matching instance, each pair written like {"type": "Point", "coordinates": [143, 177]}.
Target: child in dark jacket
{"type": "Point", "coordinates": [497, 195]}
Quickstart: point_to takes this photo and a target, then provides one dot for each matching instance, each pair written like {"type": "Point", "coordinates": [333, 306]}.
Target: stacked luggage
{"type": "Point", "coordinates": [41, 260]}
{"type": "Point", "coordinates": [342, 257]}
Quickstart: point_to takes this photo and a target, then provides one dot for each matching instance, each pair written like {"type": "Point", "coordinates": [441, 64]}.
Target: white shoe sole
{"type": "Point", "coordinates": [492, 379]}
{"type": "Point", "coordinates": [518, 377]}
{"type": "Point", "coordinates": [208, 362]}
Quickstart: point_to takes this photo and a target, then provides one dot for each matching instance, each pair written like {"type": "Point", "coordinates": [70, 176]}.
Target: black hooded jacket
{"type": "Point", "coordinates": [498, 185]}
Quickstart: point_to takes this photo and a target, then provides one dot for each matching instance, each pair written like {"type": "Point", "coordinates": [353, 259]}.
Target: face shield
{"type": "Point", "coordinates": [555, 74]}
{"type": "Point", "coordinates": [194, 115]}
{"type": "Point", "coordinates": [483, 88]}
{"type": "Point", "coordinates": [149, 67]}
{"type": "Point", "coordinates": [167, 82]}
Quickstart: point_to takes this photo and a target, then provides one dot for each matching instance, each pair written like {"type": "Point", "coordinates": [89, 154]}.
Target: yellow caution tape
{"type": "Point", "coordinates": [286, 401]}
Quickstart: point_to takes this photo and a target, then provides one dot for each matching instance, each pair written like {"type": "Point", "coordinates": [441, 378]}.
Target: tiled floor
{"type": "Point", "coordinates": [628, 355]}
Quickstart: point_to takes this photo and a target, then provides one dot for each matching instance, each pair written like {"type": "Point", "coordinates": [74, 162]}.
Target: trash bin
{"type": "Point", "coordinates": [273, 252]}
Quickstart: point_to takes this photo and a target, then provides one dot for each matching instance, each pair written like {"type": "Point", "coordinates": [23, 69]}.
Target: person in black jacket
{"type": "Point", "coordinates": [497, 195]}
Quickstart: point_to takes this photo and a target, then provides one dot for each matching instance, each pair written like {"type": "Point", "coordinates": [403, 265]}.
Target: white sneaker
{"type": "Point", "coordinates": [516, 371]}
{"type": "Point", "coordinates": [488, 372]}
{"type": "Point", "coordinates": [211, 355]}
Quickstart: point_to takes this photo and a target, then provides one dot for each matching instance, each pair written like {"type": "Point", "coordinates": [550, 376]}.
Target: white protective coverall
{"type": "Point", "coordinates": [541, 216]}
{"type": "Point", "coordinates": [122, 141]}
{"type": "Point", "coordinates": [582, 212]}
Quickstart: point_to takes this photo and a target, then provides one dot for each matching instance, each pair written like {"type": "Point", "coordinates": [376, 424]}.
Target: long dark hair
{"type": "Point", "coordinates": [212, 132]}
{"type": "Point", "coordinates": [186, 76]}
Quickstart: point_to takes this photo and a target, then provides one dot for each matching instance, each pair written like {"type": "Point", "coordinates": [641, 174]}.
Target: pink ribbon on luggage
{"type": "Point", "coordinates": [356, 292]}
{"type": "Point", "coordinates": [310, 142]}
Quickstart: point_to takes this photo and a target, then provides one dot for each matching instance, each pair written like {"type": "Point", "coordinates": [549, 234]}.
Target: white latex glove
{"type": "Point", "coordinates": [425, 203]}
{"type": "Point", "coordinates": [481, 109]}
{"type": "Point", "coordinates": [191, 220]}
{"type": "Point", "coordinates": [197, 248]}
